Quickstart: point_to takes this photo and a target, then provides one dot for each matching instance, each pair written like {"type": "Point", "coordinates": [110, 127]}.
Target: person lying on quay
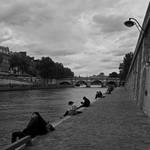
{"type": "Point", "coordinates": [36, 126]}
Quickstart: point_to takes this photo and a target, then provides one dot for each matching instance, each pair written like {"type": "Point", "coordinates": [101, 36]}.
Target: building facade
{"type": "Point", "coordinates": [138, 79]}
{"type": "Point", "coordinates": [4, 59]}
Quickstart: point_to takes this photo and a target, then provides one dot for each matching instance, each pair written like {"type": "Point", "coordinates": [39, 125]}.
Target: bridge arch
{"type": "Point", "coordinates": [64, 83]}
{"type": "Point", "coordinates": [97, 82]}
{"type": "Point", "coordinates": [81, 82]}
{"type": "Point", "coordinates": [112, 83]}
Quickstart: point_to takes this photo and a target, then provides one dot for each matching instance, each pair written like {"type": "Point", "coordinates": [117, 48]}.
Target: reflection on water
{"type": "Point", "coordinates": [16, 106]}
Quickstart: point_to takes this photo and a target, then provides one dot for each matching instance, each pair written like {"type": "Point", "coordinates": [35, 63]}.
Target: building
{"type": "Point", "coordinates": [138, 79]}
{"type": "Point", "coordinates": [4, 59]}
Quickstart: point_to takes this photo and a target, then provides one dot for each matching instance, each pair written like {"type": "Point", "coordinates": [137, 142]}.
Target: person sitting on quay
{"type": "Point", "coordinates": [72, 110]}
{"type": "Point", "coordinates": [99, 95]}
{"type": "Point", "coordinates": [36, 126]}
{"type": "Point", "coordinates": [85, 103]}
{"type": "Point", "coordinates": [110, 89]}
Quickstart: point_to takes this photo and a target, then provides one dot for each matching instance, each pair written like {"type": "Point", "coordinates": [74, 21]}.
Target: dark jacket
{"type": "Point", "coordinates": [86, 102]}
{"type": "Point", "coordinates": [36, 126]}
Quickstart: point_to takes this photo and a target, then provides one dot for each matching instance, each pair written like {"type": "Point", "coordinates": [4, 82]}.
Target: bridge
{"type": "Point", "coordinates": [89, 81]}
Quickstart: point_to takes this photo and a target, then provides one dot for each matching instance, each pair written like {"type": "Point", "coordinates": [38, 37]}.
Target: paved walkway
{"type": "Point", "coordinates": [112, 124]}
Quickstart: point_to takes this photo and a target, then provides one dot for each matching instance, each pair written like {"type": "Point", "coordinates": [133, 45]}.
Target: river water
{"type": "Point", "coordinates": [16, 106]}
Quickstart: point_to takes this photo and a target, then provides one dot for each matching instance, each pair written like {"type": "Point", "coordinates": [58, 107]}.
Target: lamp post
{"type": "Point", "coordinates": [131, 22]}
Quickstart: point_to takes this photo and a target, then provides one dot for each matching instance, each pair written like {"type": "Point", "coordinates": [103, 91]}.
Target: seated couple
{"type": "Point", "coordinates": [73, 110]}
{"type": "Point", "coordinates": [99, 94]}
{"type": "Point", "coordinates": [36, 126]}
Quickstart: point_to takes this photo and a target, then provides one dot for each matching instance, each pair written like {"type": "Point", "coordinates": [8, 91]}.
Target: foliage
{"type": "Point", "coordinates": [1, 59]}
{"type": "Point", "coordinates": [114, 75]}
{"type": "Point", "coordinates": [45, 67]}
{"type": "Point", "coordinates": [125, 65]}
{"type": "Point", "coordinates": [20, 62]}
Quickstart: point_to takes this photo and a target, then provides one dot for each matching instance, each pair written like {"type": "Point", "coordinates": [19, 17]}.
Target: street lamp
{"type": "Point", "coordinates": [130, 23]}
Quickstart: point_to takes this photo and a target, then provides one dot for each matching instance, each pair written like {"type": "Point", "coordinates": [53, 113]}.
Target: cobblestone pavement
{"type": "Point", "coordinates": [114, 123]}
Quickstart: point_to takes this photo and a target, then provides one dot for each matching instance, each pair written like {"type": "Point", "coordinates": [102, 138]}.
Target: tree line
{"type": "Point", "coordinates": [123, 67]}
{"type": "Point", "coordinates": [45, 67]}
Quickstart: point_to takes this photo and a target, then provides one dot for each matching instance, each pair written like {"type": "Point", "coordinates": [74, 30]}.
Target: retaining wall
{"type": "Point", "coordinates": [138, 79]}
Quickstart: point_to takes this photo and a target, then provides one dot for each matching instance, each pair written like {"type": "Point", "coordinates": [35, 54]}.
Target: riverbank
{"type": "Point", "coordinates": [21, 87]}
{"type": "Point", "coordinates": [16, 107]}
{"type": "Point", "coordinates": [115, 123]}
{"type": "Point", "coordinates": [12, 83]}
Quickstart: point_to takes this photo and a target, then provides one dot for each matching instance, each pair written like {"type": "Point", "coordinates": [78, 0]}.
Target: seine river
{"type": "Point", "coordinates": [16, 106]}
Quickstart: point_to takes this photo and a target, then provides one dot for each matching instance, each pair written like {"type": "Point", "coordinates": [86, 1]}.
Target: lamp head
{"type": "Point", "coordinates": [129, 23]}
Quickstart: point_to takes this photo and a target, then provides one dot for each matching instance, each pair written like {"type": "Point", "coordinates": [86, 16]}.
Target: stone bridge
{"type": "Point", "coordinates": [88, 81]}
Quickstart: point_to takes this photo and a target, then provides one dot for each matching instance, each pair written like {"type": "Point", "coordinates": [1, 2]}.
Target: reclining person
{"type": "Point", "coordinates": [72, 110]}
{"type": "Point", "coordinates": [36, 126]}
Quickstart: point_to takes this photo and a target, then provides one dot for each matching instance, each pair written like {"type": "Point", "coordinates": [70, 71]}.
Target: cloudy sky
{"type": "Point", "coordinates": [87, 36]}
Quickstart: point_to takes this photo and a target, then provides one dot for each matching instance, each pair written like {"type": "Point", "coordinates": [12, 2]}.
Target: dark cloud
{"type": "Point", "coordinates": [111, 66]}
{"type": "Point", "coordinates": [110, 23]}
{"type": "Point", "coordinates": [23, 13]}
{"type": "Point", "coordinates": [14, 14]}
{"type": "Point", "coordinates": [86, 35]}
{"type": "Point", "coordinates": [120, 53]}
{"type": "Point", "coordinates": [78, 67]}
{"type": "Point", "coordinates": [4, 39]}
{"type": "Point", "coordinates": [106, 60]}
{"type": "Point", "coordinates": [40, 50]}
{"type": "Point", "coordinates": [5, 34]}
{"type": "Point", "coordinates": [63, 52]}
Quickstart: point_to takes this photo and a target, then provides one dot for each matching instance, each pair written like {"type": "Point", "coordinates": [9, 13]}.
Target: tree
{"type": "Point", "coordinates": [19, 61]}
{"type": "Point", "coordinates": [113, 75]}
{"type": "Point", "coordinates": [45, 67]}
{"type": "Point", "coordinates": [48, 69]}
{"type": "Point", "coordinates": [1, 59]}
{"type": "Point", "coordinates": [125, 65]}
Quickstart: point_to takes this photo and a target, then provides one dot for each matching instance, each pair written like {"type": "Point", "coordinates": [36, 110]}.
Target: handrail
{"type": "Point", "coordinates": [23, 141]}
{"type": "Point", "coordinates": [27, 140]}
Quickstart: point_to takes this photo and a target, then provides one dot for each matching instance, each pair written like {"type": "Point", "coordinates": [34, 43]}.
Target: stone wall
{"type": "Point", "coordinates": [138, 79]}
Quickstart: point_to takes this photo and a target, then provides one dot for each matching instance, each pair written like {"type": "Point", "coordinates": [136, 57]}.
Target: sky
{"type": "Point", "coordinates": [88, 36]}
